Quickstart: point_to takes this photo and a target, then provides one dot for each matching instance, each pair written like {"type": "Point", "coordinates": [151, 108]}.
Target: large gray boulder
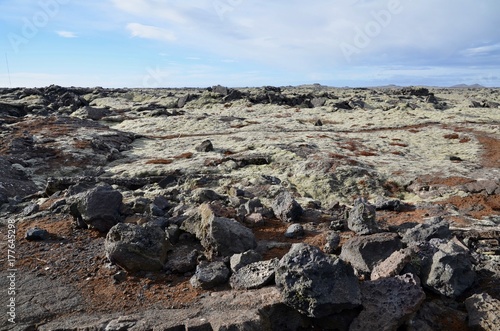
{"type": "Point", "coordinates": [286, 208]}
{"type": "Point", "coordinates": [254, 275]}
{"type": "Point", "coordinates": [451, 271]}
{"type": "Point", "coordinates": [435, 227]}
{"type": "Point", "coordinates": [388, 303]}
{"type": "Point", "coordinates": [134, 247]}
{"type": "Point", "coordinates": [316, 284]}
{"type": "Point", "coordinates": [210, 274]}
{"type": "Point", "coordinates": [365, 252]}
{"type": "Point", "coordinates": [362, 218]}
{"type": "Point", "coordinates": [99, 207]}
{"type": "Point", "coordinates": [219, 236]}
{"type": "Point", "coordinates": [484, 312]}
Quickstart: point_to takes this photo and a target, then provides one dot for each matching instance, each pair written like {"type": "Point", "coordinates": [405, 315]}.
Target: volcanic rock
{"type": "Point", "coordinates": [209, 275]}
{"type": "Point", "coordinates": [254, 275]}
{"type": "Point", "coordinates": [365, 252]}
{"type": "Point", "coordinates": [99, 207]}
{"type": "Point", "coordinates": [388, 303]}
{"type": "Point", "coordinates": [134, 247]}
{"type": "Point", "coordinates": [240, 260]}
{"type": "Point", "coordinates": [295, 231]}
{"type": "Point", "coordinates": [36, 234]}
{"type": "Point", "coordinates": [286, 208]}
{"type": "Point", "coordinates": [220, 236]}
{"type": "Point", "coordinates": [315, 283]}
{"type": "Point", "coordinates": [451, 271]}
{"type": "Point", "coordinates": [483, 312]}
{"type": "Point", "coordinates": [435, 227]}
{"type": "Point", "coordinates": [362, 218]}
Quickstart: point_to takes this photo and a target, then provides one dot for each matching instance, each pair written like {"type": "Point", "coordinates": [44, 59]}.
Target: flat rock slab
{"type": "Point", "coordinates": [228, 310]}
{"type": "Point", "coordinates": [39, 298]}
{"type": "Point", "coordinates": [254, 275]}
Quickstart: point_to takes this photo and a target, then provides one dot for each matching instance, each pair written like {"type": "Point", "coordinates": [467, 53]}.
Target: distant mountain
{"type": "Point", "coordinates": [467, 86]}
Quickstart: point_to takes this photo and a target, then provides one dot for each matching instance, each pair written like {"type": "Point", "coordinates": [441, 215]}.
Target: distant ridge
{"type": "Point", "coordinates": [467, 86]}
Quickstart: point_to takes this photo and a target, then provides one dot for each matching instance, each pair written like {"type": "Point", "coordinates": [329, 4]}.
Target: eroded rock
{"type": "Point", "coordinates": [99, 207]}
{"type": "Point", "coordinates": [362, 218]}
{"type": "Point", "coordinates": [220, 236]}
{"type": "Point", "coordinates": [134, 247]}
{"type": "Point", "coordinates": [209, 275]}
{"type": "Point", "coordinates": [483, 312]}
{"type": "Point", "coordinates": [388, 303]}
{"type": "Point", "coordinates": [254, 275]}
{"type": "Point", "coordinates": [286, 208]}
{"type": "Point", "coordinates": [315, 283]}
{"type": "Point", "coordinates": [365, 252]}
{"type": "Point", "coordinates": [435, 227]}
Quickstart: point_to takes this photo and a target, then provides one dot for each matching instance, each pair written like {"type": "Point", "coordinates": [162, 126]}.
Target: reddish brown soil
{"type": "Point", "coordinates": [475, 205]}
{"type": "Point", "coordinates": [491, 154]}
{"type": "Point", "coordinates": [435, 180]}
{"type": "Point", "coordinates": [77, 257]}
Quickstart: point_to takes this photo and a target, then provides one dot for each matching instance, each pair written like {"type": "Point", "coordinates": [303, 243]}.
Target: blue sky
{"type": "Point", "coordinates": [199, 43]}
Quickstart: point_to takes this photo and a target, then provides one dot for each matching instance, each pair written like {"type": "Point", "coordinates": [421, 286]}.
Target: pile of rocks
{"type": "Point", "coordinates": [378, 281]}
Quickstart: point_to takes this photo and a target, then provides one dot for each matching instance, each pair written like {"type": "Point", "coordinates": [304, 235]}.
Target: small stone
{"type": "Point", "coordinates": [286, 208]}
{"type": "Point", "coordinates": [362, 218]}
{"type": "Point", "coordinates": [294, 231]}
{"type": "Point", "coordinates": [254, 219]}
{"type": "Point", "coordinates": [205, 146]}
{"type": "Point", "coordinates": [332, 242]}
{"type": "Point", "coordinates": [119, 277]}
{"type": "Point", "coordinates": [31, 209]}
{"type": "Point", "coordinates": [209, 275]}
{"type": "Point", "coordinates": [36, 234]}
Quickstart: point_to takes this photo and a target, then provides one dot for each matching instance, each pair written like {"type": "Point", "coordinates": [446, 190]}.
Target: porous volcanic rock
{"type": "Point", "coordinates": [451, 271]}
{"type": "Point", "coordinates": [388, 303]}
{"type": "Point", "coordinates": [362, 218]}
{"type": "Point", "coordinates": [286, 208]}
{"type": "Point", "coordinates": [365, 252]}
{"type": "Point", "coordinates": [315, 283]}
{"type": "Point", "coordinates": [254, 275]}
{"type": "Point", "coordinates": [483, 312]}
{"type": "Point", "coordinates": [220, 236]}
{"type": "Point", "coordinates": [435, 227]}
{"type": "Point", "coordinates": [99, 207]}
{"type": "Point", "coordinates": [135, 247]}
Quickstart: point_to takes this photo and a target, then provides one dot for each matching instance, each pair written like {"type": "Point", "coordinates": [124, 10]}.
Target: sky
{"type": "Point", "coordinates": [239, 43]}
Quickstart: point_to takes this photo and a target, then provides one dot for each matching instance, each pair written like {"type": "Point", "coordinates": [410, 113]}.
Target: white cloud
{"type": "Point", "coordinates": [151, 9]}
{"type": "Point", "coordinates": [66, 34]}
{"type": "Point", "coordinates": [150, 32]}
{"type": "Point", "coordinates": [482, 50]}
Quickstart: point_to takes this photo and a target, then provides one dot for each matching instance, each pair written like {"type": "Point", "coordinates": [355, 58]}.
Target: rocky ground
{"type": "Point", "coordinates": [291, 208]}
